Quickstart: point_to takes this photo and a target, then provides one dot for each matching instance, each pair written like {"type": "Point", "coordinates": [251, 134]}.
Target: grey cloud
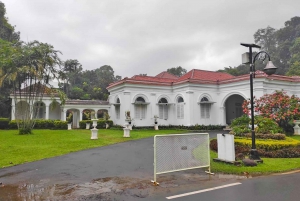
{"type": "Point", "coordinates": [148, 36]}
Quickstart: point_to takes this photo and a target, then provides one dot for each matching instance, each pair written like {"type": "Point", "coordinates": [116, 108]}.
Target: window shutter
{"type": "Point", "coordinates": [143, 111]}
{"type": "Point", "coordinates": [202, 112]}
{"type": "Point", "coordinates": [137, 111]}
{"type": "Point", "coordinates": [205, 111]}
{"type": "Point", "coordinates": [160, 108]}
{"type": "Point", "coordinates": [181, 111]}
{"type": "Point", "coordinates": [165, 111]}
{"type": "Point", "coordinates": [178, 111]}
{"type": "Point", "coordinates": [207, 115]}
{"type": "Point", "coordinates": [118, 112]}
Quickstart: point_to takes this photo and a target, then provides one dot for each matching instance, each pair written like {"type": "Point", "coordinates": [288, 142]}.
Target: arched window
{"type": "Point", "coordinates": [117, 107]}
{"type": "Point", "coordinates": [180, 108]}
{"type": "Point", "coordinates": [205, 106]}
{"type": "Point", "coordinates": [163, 108]}
{"type": "Point", "coordinates": [140, 108]}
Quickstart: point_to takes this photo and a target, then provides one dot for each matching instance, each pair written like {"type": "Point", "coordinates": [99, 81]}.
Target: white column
{"type": "Point", "coordinates": [80, 114]}
{"type": "Point", "coordinates": [47, 112]}
{"type": "Point", "coordinates": [13, 110]}
{"type": "Point", "coordinates": [63, 114]}
{"type": "Point", "coordinates": [96, 113]}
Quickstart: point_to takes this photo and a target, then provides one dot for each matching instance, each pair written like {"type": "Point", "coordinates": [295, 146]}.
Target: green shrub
{"type": "Point", "coordinates": [267, 144]}
{"type": "Point", "coordinates": [23, 131]}
{"type": "Point", "coordinates": [240, 125]}
{"type": "Point", "coordinates": [264, 125]}
{"type": "Point", "coordinates": [82, 124]}
{"type": "Point", "coordinates": [60, 124]}
{"type": "Point", "coordinates": [277, 136]}
{"type": "Point", "coordinates": [13, 124]}
{"type": "Point", "coordinates": [4, 123]}
{"type": "Point", "coordinates": [100, 123]}
{"type": "Point", "coordinates": [44, 124]}
{"type": "Point", "coordinates": [293, 152]}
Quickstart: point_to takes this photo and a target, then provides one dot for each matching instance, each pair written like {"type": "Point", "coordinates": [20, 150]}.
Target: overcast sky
{"type": "Point", "coordinates": [148, 36]}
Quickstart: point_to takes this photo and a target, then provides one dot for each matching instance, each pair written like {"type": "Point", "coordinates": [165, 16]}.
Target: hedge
{"type": "Point", "coordinates": [177, 127]}
{"type": "Point", "coordinates": [100, 123]}
{"type": "Point", "coordinates": [268, 144]}
{"type": "Point", "coordinates": [4, 123]}
{"type": "Point", "coordinates": [43, 124]}
{"type": "Point", "coordinates": [288, 148]}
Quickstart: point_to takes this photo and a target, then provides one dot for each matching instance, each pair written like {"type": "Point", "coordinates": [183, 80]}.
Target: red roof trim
{"type": "Point", "coordinates": [200, 77]}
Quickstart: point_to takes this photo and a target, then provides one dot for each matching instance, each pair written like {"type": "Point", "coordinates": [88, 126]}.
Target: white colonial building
{"type": "Point", "coordinates": [198, 97]}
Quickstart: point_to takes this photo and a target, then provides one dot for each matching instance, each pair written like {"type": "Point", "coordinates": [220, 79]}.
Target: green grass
{"type": "Point", "coordinates": [17, 149]}
{"type": "Point", "coordinates": [269, 165]}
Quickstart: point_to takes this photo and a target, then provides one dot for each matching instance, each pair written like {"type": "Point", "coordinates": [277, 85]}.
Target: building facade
{"type": "Point", "coordinates": [198, 97]}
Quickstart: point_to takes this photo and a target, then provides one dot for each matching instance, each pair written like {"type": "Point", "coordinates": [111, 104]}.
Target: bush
{"type": "Point", "coordinates": [264, 125]}
{"type": "Point", "coordinates": [289, 149]}
{"type": "Point", "coordinates": [283, 153]}
{"type": "Point", "coordinates": [13, 124]}
{"type": "Point", "coordinates": [268, 144]}
{"type": "Point", "coordinates": [60, 125]}
{"type": "Point", "coordinates": [44, 124]}
{"type": "Point", "coordinates": [4, 123]}
{"type": "Point", "coordinates": [277, 136]}
{"type": "Point", "coordinates": [100, 123]}
{"type": "Point", "coordinates": [240, 125]}
{"type": "Point", "coordinates": [82, 124]}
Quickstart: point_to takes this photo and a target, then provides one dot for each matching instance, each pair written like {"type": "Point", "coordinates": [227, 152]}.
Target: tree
{"type": "Point", "coordinates": [278, 106]}
{"type": "Point", "coordinates": [230, 70]}
{"type": "Point", "coordinates": [105, 76]}
{"type": "Point", "coordinates": [178, 71]}
{"type": "Point", "coordinates": [72, 69]}
{"type": "Point", "coordinates": [7, 31]}
{"type": "Point", "coordinates": [266, 38]}
{"type": "Point", "coordinates": [29, 67]}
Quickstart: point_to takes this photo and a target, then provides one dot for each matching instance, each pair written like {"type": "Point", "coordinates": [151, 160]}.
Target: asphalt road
{"type": "Point", "coordinates": [123, 172]}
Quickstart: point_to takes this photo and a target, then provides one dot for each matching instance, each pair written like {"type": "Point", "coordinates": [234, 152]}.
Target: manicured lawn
{"type": "Point", "coordinates": [17, 149]}
{"type": "Point", "coordinates": [269, 165]}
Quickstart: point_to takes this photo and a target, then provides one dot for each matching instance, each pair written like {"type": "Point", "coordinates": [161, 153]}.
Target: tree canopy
{"type": "Point", "coordinates": [178, 71]}
{"type": "Point", "coordinates": [282, 45]}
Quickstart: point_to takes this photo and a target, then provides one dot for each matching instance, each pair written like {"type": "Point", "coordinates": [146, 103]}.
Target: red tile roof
{"type": "Point", "coordinates": [197, 76]}
{"type": "Point", "coordinates": [205, 75]}
{"type": "Point", "coordinates": [165, 74]}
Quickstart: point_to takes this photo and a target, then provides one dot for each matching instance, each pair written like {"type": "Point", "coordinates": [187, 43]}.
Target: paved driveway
{"type": "Point", "coordinates": [119, 171]}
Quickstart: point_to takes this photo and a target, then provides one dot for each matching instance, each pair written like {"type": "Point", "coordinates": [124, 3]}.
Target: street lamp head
{"type": "Point", "coordinates": [270, 68]}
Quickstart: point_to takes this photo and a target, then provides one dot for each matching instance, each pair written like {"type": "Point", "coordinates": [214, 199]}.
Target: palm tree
{"type": "Point", "coordinates": [29, 67]}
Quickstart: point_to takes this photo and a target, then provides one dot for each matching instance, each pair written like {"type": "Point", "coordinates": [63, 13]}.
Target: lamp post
{"type": "Point", "coordinates": [269, 70]}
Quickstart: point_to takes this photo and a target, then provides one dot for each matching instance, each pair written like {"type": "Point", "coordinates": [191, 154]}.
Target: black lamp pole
{"type": "Point", "coordinates": [269, 69]}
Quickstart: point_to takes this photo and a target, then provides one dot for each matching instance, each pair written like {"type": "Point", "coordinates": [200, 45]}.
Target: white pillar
{"type": "Point", "coordinates": [96, 113]}
{"type": "Point", "coordinates": [47, 112]}
{"type": "Point", "coordinates": [80, 114]}
{"type": "Point", "coordinates": [63, 114]}
{"type": "Point", "coordinates": [13, 110]}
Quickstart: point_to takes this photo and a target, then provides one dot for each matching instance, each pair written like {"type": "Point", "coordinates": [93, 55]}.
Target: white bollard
{"type": "Point", "coordinates": [226, 150]}
{"type": "Point", "coordinates": [94, 134]}
{"type": "Point", "coordinates": [126, 132]}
